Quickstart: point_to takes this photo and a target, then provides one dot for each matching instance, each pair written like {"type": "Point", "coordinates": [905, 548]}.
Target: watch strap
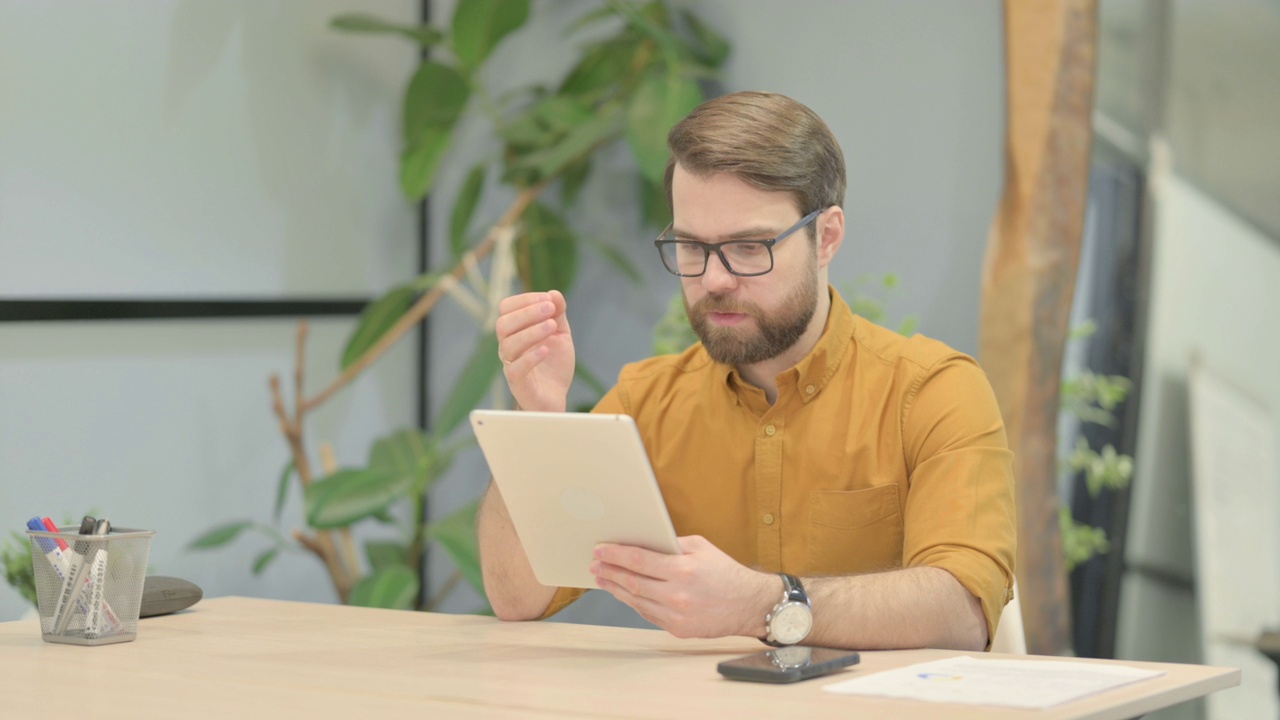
{"type": "Point", "coordinates": [792, 589]}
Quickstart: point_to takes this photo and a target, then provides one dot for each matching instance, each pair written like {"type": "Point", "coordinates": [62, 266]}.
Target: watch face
{"type": "Point", "coordinates": [791, 623]}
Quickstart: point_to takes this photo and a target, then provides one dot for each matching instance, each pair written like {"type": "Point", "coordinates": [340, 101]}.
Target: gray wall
{"type": "Point", "coordinates": [177, 149]}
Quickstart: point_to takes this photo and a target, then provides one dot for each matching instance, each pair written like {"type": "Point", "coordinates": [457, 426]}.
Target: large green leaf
{"type": "Point", "coordinates": [418, 164]}
{"type": "Point", "coordinates": [464, 208]}
{"type": "Point", "coordinates": [709, 47]}
{"type": "Point", "coordinates": [434, 101]}
{"type": "Point", "coordinates": [409, 453]}
{"type": "Point", "coordinates": [469, 390]}
{"type": "Point", "coordinates": [653, 203]}
{"type": "Point", "coordinates": [220, 535]}
{"type": "Point", "coordinates": [384, 554]}
{"type": "Point", "coordinates": [602, 67]}
{"type": "Point", "coordinates": [562, 113]}
{"type": "Point", "coordinates": [573, 146]}
{"type": "Point", "coordinates": [662, 100]}
{"type": "Point", "coordinates": [424, 35]}
{"type": "Point", "coordinates": [479, 25]}
{"type": "Point", "coordinates": [573, 179]}
{"type": "Point", "coordinates": [353, 494]}
{"type": "Point", "coordinates": [457, 535]}
{"type": "Point", "coordinates": [527, 130]}
{"type": "Point", "coordinates": [547, 254]}
{"type": "Point", "coordinates": [654, 20]}
{"type": "Point", "coordinates": [590, 18]}
{"type": "Point", "coordinates": [392, 587]}
{"type": "Point", "coordinates": [375, 320]}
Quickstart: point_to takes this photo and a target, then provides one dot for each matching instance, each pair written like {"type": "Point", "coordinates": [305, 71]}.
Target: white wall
{"type": "Point", "coordinates": [1213, 291]}
{"type": "Point", "coordinates": [182, 149]}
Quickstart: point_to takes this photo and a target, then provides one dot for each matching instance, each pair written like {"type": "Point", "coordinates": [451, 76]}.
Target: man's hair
{"type": "Point", "coordinates": [769, 141]}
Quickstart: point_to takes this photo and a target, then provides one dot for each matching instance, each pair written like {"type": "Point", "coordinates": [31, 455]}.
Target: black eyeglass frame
{"type": "Point", "coordinates": [709, 248]}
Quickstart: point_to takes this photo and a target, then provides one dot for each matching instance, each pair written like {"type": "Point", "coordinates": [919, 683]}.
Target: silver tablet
{"type": "Point", "coordinates": [570, 482]}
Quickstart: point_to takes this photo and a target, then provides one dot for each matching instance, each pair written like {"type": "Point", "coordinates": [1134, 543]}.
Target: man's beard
{"type": "Point", "coordinates": [773, 335]}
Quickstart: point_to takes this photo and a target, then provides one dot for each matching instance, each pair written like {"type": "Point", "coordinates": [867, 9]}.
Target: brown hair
{"type": "Point", "coordinates": [769, 141]}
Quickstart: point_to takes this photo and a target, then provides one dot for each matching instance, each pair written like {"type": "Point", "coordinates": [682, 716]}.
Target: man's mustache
{"type": "Point", "coordinates": [723, 304]}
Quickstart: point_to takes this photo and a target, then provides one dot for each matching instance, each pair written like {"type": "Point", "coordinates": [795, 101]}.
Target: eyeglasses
{"type": "Point", "coordinates": [744, 258]}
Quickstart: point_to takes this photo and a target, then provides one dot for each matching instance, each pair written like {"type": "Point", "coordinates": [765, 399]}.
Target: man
{"type": "Point", "coordinates": [833, 483]}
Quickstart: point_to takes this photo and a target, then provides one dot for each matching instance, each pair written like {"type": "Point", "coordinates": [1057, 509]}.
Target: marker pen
{"type": "Point", "coordinates": [95, 622]}
{"type": "Point", "coordinates": [75, 581]}
{"type": "Point", "coordinates": [62, 544]}
{"type": "Point", "coordinates": [50, 549]}
{"type": "Point", "coordinates": [61, 565]}
{"type": "Point", "coordinates": [112, 623]}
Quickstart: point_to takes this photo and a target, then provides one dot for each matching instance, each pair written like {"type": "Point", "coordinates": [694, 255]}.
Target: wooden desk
{"type": "Point", "coordinates": [245, 658]}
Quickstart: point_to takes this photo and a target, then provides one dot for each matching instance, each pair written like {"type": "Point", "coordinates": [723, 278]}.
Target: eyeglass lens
{"type": "Point", "coordinates": [745, 257]}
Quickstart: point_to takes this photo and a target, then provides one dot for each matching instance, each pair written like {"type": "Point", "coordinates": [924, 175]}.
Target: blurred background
{"type": "Point", "coordinates": [181, 181]}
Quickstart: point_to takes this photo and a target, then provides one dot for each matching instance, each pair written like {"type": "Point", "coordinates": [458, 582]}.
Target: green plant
{"type": "Point", "coordinates": [15, 558]}
{"type": "Point", "coordinates": [630, 87]}
{"type": "Point", "coordinates": [1091, 398]}
{"type": "Point", "coordinates": [868, 297]}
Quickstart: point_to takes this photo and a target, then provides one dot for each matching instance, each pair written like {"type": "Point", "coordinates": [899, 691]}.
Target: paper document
{"type": "Point", "coordinates": [981, 681]}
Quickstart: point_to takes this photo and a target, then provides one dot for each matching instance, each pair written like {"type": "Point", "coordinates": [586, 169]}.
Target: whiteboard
{"type": "Point", "coordinates": [1236, 491]}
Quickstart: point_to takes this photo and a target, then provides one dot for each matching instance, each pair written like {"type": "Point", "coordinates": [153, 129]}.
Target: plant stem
{"type": "Point", "coordinates": [321, 544]}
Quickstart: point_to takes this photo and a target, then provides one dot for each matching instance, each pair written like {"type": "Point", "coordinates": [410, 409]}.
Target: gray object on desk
{"type": "Point", "coordinates": [162, 595]}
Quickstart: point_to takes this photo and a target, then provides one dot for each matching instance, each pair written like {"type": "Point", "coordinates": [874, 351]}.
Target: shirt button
{"type": "Point", "coordinates": [809, 389]}
{"type": "Point", "coordinates": [770, 430]}
{"type": "Point", "coordinates": [768, 518]}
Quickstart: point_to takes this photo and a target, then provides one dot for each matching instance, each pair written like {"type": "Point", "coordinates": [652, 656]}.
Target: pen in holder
{"type": "Point", "coordinates": [89, 584]}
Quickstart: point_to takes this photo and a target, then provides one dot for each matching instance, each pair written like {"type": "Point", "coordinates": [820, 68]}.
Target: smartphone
{"type": "Point", "coordinates": [787, 664]}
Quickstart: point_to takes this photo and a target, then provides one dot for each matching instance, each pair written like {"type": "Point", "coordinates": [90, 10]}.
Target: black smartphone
{"type": "Point", "coordinates": [787, 664]}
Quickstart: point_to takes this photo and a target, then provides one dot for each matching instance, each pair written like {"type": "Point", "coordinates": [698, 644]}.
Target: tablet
{"type": "Point", "coordinates": [570, 482]}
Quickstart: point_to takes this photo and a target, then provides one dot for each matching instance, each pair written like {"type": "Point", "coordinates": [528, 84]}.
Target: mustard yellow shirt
{"type": "Point", "coordinates": [881, 452]}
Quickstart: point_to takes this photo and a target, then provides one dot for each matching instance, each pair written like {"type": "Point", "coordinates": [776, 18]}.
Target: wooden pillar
{"type": "Point", "coordinates": [1029, 278]}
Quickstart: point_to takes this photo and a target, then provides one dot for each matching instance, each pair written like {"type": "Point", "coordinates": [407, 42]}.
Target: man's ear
{"type": "Point", "coordinates": [830, 234]}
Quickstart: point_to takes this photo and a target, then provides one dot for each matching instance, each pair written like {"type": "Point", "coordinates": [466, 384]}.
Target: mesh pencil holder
{"type": "Point", "coordinates": [89, 587]}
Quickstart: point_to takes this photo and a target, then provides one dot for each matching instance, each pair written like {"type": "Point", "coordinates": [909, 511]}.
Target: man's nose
{"type": "Point", "coordinates": [717, 278]}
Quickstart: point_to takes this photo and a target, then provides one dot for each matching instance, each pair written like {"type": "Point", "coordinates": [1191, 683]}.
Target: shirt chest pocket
{"type": "Point", "coordinates": [855, 531]}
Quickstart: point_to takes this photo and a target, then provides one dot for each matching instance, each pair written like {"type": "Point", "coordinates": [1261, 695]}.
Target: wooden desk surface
{"type": "Point", "coordinates": [245, 658]}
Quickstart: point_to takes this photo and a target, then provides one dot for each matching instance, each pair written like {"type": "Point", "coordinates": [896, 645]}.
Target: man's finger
{"type": "Point", "coordinates": [629, 557]}
{"type": "Point", "coordinates": [522, 317]}
{"type": "Point", "coordinates": [515, 302]}
{"type": "Point", "coordinates": [524, 363]}
{"type": "Point", "coordinates": [561, 310]}
{"type": "Point", "coordinates": [634, 583]}
{"type": "Point", "coordinates": [515, 347]}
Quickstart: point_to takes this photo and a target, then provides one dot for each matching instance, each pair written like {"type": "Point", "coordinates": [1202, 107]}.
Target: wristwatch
{"type": "Point", "coordinates": [792, 618]}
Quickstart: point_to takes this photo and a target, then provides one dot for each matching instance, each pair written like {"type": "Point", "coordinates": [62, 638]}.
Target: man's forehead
{"type": "Point", "coordinates": [725, 205]}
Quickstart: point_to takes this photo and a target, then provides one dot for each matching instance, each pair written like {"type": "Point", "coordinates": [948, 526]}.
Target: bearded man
{"type": "Point", "coordinates": [833, 482]}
